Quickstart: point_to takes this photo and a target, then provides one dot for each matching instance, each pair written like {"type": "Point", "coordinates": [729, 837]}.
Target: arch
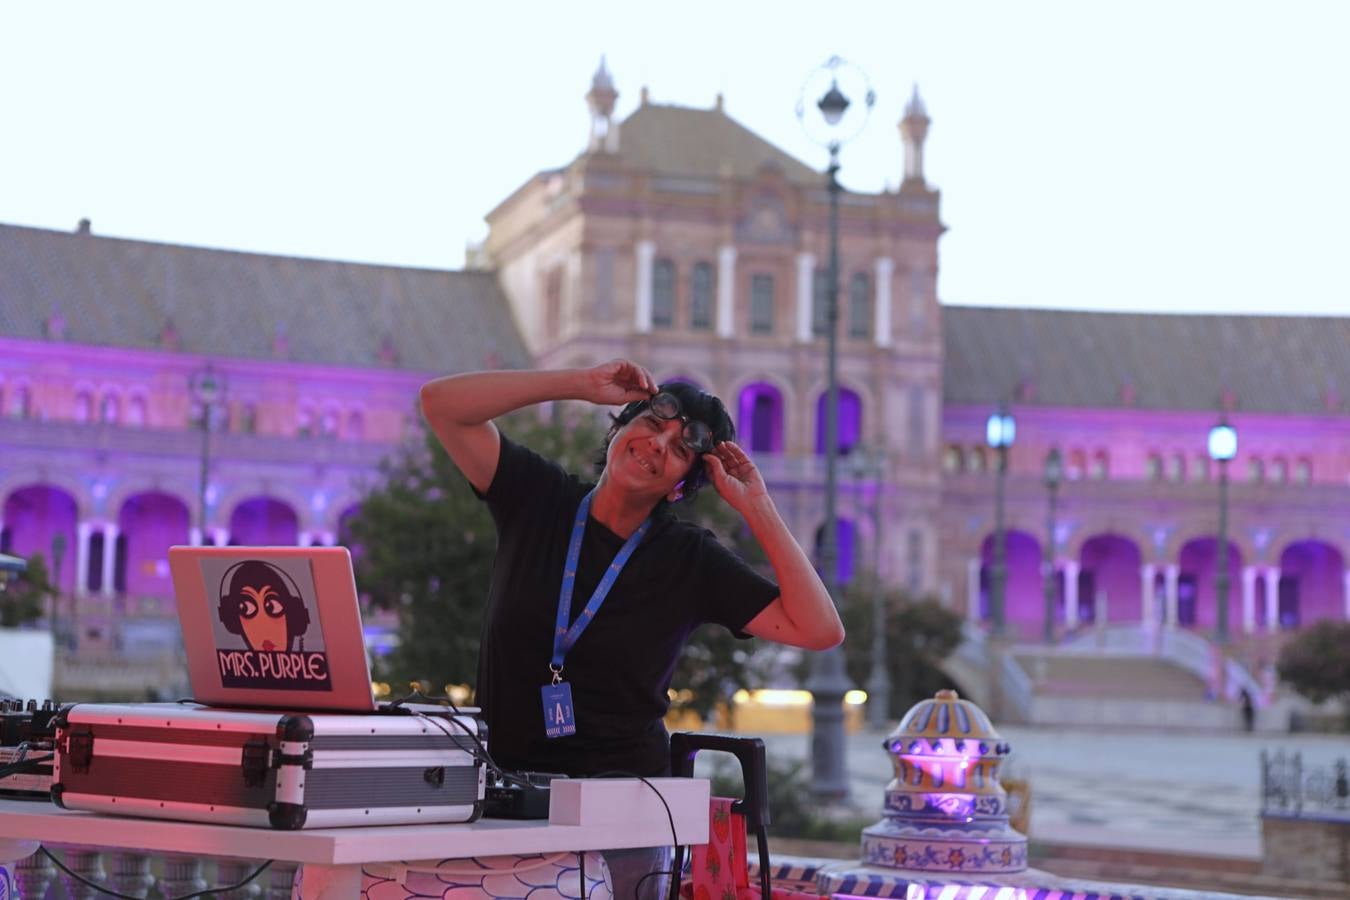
{"type": "Point", "coordinates": [1197, 603]}
{"type": "Point", "coordinates": [1090, 527]}
{"type": "Point", "coordinates": [151, 522]}
{"type": "Point", "coordinates": [21, 400]}
{"type": "Point", "coordinates": [1109, 579]}
{"type": "Point", "coordinates": [760, 419]}
{"type": "Point", "coordinates": [82, 410]}
{"type": "Point", "coordinates": [136, 411]}
{"type": "Point", "coordinates": [42, 518]}
{"type": "Point", "coordinates": [264, 521]}
{"type": "Point", "coordinates": [356, 426]}
{"type": "Point", "coordinates": [845, 552]}
{"type": "Point", "coordinates": [953, 459]}
{"type": "Point", "coordinates": [110, 408]}
{"type": "Point", "coordinates": [1312, 584]}
{"type": "Point", "coordinates": [850, 420]}
{"type": "Point", "coordinates": [1024, 593]}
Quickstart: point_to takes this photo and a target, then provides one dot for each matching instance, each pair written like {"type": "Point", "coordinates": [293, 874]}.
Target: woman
{"type": "Point", "coordinates": [595, 588]}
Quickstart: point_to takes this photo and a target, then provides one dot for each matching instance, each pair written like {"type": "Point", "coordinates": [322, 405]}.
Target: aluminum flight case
{"type": "Point", "coordinates": [269, 769]}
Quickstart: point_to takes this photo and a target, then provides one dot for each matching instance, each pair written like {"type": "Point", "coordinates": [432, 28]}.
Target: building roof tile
{"type": "Point", "coordinates": [1071, 358]}
{"type": "Point", "coordinates": [126, 293]}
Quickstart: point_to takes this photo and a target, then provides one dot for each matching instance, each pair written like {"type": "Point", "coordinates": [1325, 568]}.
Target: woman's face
{"type": "Point", "coordinates": [648, 456]}
{"type": "Point", "coordinates": [263, 617]}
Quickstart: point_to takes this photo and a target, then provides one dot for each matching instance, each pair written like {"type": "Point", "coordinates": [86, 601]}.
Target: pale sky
{"type": "Point", "coordinates": [1177, 155]}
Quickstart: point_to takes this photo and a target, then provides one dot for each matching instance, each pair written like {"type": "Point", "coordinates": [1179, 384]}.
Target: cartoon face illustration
{"type": "Point", "coordinates": [259, 602]}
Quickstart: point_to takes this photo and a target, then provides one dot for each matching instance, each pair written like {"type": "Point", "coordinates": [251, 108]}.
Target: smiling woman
{"type": "Point", "coordinates": [641, 578]}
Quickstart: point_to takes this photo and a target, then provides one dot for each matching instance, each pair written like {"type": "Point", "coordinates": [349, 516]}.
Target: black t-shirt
{"type": "Point", "coordinates": [678, 578]}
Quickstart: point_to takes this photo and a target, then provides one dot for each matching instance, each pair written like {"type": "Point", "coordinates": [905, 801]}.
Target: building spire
{"type": "Point", "coordinates": [913, 131]}
{"type": "Point", "coordinates": [604, 137]}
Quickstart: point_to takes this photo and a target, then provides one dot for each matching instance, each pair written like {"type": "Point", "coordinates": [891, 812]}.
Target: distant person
{"type": "Point", "coordinates": [1248, 711]}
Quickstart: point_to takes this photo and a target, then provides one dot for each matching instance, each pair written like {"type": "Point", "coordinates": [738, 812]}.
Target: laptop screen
{"type": "Point", "coordinates": [275, 627]}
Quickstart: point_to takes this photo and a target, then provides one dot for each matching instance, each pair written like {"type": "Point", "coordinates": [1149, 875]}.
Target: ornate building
{"type": "Point", "coordinates": [684, 240]}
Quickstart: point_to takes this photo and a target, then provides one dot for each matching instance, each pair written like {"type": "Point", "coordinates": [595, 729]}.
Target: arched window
{"type": "Point", "coordinates": [976, 460]}
{"type": "Point", "coordinates": [84, 404]}
{"type": "Point", "coordinates": [663, 294]}
{"type": "Point", "coordinates": [701, 296]}
{"type": "Point", "coordinates": [356, 425]}
{"type": "Point", "coordinates": [248, 418]}
{"type": "Point", "coordinates": [328, 423]}
{"type": "Point", "coordinates": [1200, 468]}
{"type": "Point", "coordinates": [1256, 470]}
{"type": "Point", "coordinates": [136, 411]}
{"type": "Point", "coordinates": [304, 422]}
{"type": "Point", "coordinates": [850, 420]}
{"type": "Point", "coordinates": [109, 409]}
{"type": "Point", "coordinates": [761, 304]}
{"type": "Point", "coordinates": [1154, 469]}
{"type": "Point", "coordinates": [1100, 469]}
{"type": "Point", "coordinates": [1303, 471]}
{"type": "Point", "coordinates": [1077, 465]}
{"type": "Point", "coordinates": [761, 418]}
{"type": "Point", "coordinates": [1279, 470]}
{"type": "Point", "coordinates": [820, 301]}
{"type": "Point", "coordinates": [859, 305]}
{"type": "Point", "coordinates": [1176, 467]}
{"type": "Point", "coordinates": [953, 460]}
{"type": "Point", "coordinates": [21, 407]}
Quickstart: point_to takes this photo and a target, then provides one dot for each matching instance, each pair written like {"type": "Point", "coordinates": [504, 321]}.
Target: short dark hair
{"type": "Point", "coordinates": [694, 403]}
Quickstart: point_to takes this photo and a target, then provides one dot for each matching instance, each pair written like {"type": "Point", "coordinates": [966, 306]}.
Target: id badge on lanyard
{"type": "Point", "coordinates": [559, 714]}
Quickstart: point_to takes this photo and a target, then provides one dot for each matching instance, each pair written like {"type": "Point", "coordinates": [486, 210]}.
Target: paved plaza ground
{"type": "Point", "coordinates": [1154, 790]}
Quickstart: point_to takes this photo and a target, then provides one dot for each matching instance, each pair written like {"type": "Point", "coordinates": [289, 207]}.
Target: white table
{"type": "Point", "coordinates": [584, 815]}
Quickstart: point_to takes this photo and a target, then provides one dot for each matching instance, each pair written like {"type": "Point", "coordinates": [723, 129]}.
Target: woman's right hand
{"type": "Point", "coordinates": [619, 381]}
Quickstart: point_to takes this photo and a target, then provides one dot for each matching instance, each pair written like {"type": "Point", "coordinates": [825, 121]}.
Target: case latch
{"type": "Point", "coordinates": [257, 758]}
{"type": "Point", "coordinates": [80, 748]}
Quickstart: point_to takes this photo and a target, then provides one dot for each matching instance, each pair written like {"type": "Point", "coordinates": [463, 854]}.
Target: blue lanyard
{"type": "Point", "coordinates": [564, 638]}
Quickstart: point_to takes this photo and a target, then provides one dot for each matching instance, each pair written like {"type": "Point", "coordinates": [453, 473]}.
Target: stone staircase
{"type": "Point", "coordinates": [1120, 690]}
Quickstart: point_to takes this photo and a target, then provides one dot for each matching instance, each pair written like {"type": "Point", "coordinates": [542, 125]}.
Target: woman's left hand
{"type": "Point", "coordinates": [735, 478]}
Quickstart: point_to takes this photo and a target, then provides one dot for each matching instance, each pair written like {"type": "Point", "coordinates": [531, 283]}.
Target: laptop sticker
{"type": "Point", "coordinates": [266, 628]}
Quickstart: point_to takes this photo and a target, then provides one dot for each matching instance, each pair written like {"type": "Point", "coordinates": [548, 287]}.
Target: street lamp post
{"type": "Point", "coordinates": [1000, 432]}
{"type": "Point", "coordinates": [866, 464]}
{"type": "Point", "coordinates": [1054, 471]}
{"type": "Point", "coordinates": [828, 682]}
{"type": "Point", "coordinates": [207, 389]}
{"type": "Point", "coordinates": [1222, 449]}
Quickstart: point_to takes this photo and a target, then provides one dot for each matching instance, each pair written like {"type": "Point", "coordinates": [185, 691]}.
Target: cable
{"type": "Point", "coordinates": [103, 889]}
{"type": "Point", "coordinates": [21, 766]}
{"type": "Point", "coordinates": [637, 888]}
{"type": "Point", "coordinates": [486, 757]}
{"type": "Point", "coordinates": [674, 837]}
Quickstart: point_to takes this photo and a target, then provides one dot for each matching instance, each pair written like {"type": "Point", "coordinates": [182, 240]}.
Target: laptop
{"type": "Point", "coordinates": [272, 627]}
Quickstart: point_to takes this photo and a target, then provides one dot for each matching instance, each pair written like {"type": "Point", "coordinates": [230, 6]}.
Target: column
{"type": "Point", "coordinates": [806, 270]}
{"type": "Point", "coordinates": [305, 539]}
{"type": "Point", "coordinates": [642, 304]}
{"type": "Point", "coordinates": [195, 536]}
{"type": "Point", "coordinates": [726, 291]}
{"type": "Point", "coordinates": [885, 269]}
{"type": "Point", "coordinates": [1071, 568]}
{"type": "Point", "coordinates": [973, 589]}
{"type": "Point", "coordinates": [221, 536]}
{"type": "Point", "coordinates": [83, 532]}
{"type": "Point", "coordinates": [1171, 575]}
{"type": "Point", "coordinates": [1272, 577]}
{"type": "Point", "coordinates": [1148, 574]}
{"type": "Point", "coordinates": [109, 558]}
{"type": "Point", "coordinates": [1248, 599]}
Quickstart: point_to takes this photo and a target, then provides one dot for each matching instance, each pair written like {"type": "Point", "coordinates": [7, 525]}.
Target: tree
{"type": "Point", "coordinates": [1316, 661]}
{"type": "Point", "coordinates": [920, 634]}
{"type": "Point", "coordinates": [23, 596]}
{"type": "Point", "coordinates": [423, 545]}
